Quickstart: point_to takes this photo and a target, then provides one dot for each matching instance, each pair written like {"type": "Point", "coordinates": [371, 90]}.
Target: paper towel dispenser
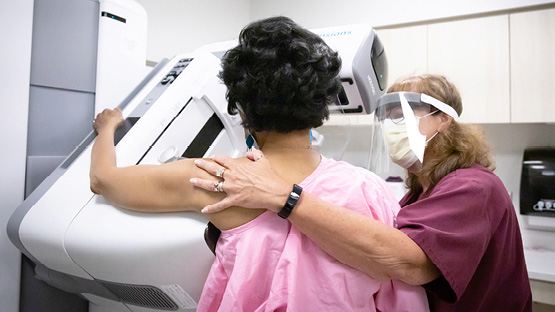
{"type": "Point", "coordinates": [537, 184]}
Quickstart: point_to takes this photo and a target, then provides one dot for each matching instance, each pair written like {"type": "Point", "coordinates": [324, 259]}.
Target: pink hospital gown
{"type": "Point", "coordinates": [268, 265]}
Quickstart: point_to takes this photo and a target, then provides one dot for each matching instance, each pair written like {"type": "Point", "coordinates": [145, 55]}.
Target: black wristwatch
{"type": "Point", "coordinates": [291, 201]}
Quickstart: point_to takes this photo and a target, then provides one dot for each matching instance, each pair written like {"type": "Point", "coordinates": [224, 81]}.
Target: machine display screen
{"type": "Point", "coordinates": [114, 17]}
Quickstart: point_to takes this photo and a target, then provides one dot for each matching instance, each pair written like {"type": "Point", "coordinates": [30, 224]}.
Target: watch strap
{"type": "Point", "coordinates": [291, 201]}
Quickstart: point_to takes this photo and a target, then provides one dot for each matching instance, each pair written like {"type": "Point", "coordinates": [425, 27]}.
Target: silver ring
{"type": "Point", "coordinates": [259, 157]}
{"type": "Point", "coordinates": [219, 187]}
{"type": "Point", "coordinates": [221, 173]}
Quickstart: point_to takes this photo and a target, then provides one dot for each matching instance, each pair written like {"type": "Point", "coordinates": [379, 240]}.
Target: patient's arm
{"type": "Point", "coordinates": [149, 188]}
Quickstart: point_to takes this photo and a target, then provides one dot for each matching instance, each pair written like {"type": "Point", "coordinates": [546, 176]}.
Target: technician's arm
{"type": "Point", "coordinates": [148, 188]}
{"type": "Point", "coordinates": [378, 250]}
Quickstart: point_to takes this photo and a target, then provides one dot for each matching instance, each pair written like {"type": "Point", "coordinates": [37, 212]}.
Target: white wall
{"type": "Point", "coordinates": [177, 26]}
{"type": "Point", "coordinates": [16, 21]}
{"type": "Point", "coordinates": [323, 13]}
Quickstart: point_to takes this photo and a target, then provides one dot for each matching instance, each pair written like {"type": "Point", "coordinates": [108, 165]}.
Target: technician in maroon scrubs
{"type": "Point", "coordinates": [457, 232]}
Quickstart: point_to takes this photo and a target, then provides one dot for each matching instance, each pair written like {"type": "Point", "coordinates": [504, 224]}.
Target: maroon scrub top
{"type": "Point", "coordinates": [468, 227]}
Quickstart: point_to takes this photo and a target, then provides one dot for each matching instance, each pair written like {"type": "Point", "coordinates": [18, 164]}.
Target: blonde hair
{"type": "Point", "coordinates": [459, 146]}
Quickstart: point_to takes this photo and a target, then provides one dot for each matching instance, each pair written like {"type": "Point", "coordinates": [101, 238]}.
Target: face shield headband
{"type": "Point", "coordinates": [400, 127]}
{"type": "Point", "coordinates": [387, 101]}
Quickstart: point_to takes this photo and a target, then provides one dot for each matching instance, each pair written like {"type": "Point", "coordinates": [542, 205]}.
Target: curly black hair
{"type": "Point", "coordinates": [281, 77]}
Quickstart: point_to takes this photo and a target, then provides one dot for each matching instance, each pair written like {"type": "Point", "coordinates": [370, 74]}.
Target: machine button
{"type": "Point", "coordinates": [539, 206]}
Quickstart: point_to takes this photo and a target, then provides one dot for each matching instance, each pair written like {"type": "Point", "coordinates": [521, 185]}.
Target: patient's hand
{"type": "Point", "coordinates": [249, 184]}
{"type": "Point", "coordinates": [108, 120]}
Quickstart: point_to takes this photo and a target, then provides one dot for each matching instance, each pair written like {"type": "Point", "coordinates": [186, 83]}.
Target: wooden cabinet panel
{"type": "Point", "coordinates": [474, 54]}
{"type": "Point", "coordinates": [504, 65]}
{"type": "Point", "coordinates": [406, 51]}
{"type": "Point", "coordinates": [533, 66]}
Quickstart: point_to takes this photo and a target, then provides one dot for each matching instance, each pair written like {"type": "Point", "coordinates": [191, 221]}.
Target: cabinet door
{"type": "Point", "coordinates": [533, 66]}
{"type": "Point", "coordinates": [474, 55]}
{"type": "Point", "coordinates": [405, 49]}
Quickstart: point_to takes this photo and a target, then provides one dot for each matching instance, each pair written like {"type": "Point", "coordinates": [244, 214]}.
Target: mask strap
{"type": "Point", "coordinates": [431, 138]}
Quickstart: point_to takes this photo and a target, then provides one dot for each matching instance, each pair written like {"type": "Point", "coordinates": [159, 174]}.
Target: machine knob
{"type": "Point", "coordinates": [171, 153]}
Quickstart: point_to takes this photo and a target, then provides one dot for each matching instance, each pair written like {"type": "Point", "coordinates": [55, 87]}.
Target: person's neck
{"type": "Point", "coordinates": [275, 142]}
{"type": "Point", "coordinates": [291, 154]}
{"type": "Point", "coordinates": [418, 175]}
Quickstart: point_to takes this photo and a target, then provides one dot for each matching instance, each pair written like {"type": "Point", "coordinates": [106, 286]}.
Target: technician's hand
{"type": "Point", "coordinates": [108, 120]}
{"type": "Point", "coordinates": [249, 184]}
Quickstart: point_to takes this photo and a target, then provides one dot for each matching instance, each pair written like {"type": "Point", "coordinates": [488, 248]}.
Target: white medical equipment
{"type": "Point", "coordinates": [364, 70]}
{"type": "Point", "coordinates": [121, 260]}
{"type": "Point", "coordinates": [121, 49]}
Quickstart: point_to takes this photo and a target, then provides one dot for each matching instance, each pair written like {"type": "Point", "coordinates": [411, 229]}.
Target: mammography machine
{"type": "Point", "coordinates": [121, 260]}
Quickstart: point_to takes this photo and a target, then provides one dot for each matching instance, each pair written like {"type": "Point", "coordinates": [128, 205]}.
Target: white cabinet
{"type": "Point", "coordinates": [503, 65]}
{"type": "Point", "coordinates": [533, 66]}
{"type": "Point", "coordinates": [474, 55]}
{"type": "Point", "coordinates": [406, 51]}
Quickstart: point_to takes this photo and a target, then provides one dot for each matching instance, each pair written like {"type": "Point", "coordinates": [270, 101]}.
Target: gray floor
{"type": "Point", "coordinates": [540, 307]}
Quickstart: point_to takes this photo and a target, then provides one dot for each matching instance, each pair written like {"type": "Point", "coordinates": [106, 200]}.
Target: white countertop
{"type": "Point", "coordinates": [540, 264]}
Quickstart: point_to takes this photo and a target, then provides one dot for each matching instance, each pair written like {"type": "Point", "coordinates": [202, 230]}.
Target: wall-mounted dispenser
{"type": "Point", "coordinates": [537, 184]}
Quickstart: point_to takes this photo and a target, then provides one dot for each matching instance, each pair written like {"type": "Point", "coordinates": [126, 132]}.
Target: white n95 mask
{"type": "Point", "coordinates": [397, 139]}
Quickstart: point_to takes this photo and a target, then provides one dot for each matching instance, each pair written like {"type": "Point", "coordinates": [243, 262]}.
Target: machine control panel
{"type": "Point", "coordinates": [176, 71]}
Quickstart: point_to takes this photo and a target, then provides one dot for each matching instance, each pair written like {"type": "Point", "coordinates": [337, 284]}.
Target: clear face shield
{"type": "Point", "coordinates": [396, 131]}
